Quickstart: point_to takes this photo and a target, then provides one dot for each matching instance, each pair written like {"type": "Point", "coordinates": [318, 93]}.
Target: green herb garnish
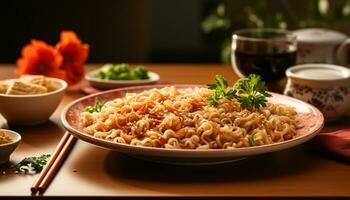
{"type": "Point", "coordinates": [96, 108]}
{"type": "Point", "coordinates": [221, 90]}
{"type": "Point", "coordinates": [251, 141]}
{"type": "Point", "coordinates": [251, 92]}
{"type": "Point", "coordinates": [32, 164]}
{"type": "Point", "coordinates": [122, 72]}
{"type": "Point", "coordinates": [141, 72]}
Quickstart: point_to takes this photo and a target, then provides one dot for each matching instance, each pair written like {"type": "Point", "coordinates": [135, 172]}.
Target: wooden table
{"type": "Point", "coordinates": [92, 171]}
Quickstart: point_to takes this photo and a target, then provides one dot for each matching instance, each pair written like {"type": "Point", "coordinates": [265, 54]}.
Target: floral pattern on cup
{"type": "Point", "coordinates": [323, 98]}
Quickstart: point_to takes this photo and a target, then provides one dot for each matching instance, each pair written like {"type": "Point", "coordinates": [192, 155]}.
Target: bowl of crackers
{"type": "Point", "coordinates": [30, 99]}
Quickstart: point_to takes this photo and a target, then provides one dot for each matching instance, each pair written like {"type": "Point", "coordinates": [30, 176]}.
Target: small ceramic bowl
{"type": "Point", "coordinates": [325, 86]}
{"type": "Point", "coordinates": [7, 149]}
{"type": "Point", "coordinates": [112, 84]}
{"type": "Point", "coordinates": [31, 109]}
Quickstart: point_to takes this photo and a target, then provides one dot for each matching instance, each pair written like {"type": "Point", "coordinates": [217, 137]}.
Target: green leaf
{"type": "Point", "coordinates": [251, 141]}
{"type": "Point", "coordinates": [220, 80]}
{"type": "Point", "coordinates": [37, 163]}
{"type": "Point", "coordinates": [231, 94]}
{"type": "Point", "coordinates": [220, 90]}
{"type": "Point", "coordinates": [212, 86]}
{"type": "Point", "coordinates": [217, 20]}
{"type": "Point", "coordinates": [252, 92]}
{"type": "Point", "coordinates": [226, 51]}
{"type": "Point", "coordinates": [212, 101]}
{"type": "Point", "coordinates": [122, 72]}
{"type": "Point", "coordinates": [96, 108]}
{"type": "Point", "coordinates": [245, 102]}
{"type": "Point", "coordinates": [141, 72]}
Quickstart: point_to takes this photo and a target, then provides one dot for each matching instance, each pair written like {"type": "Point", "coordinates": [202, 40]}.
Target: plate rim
{"type": "Point", "coordinates": [153, 78]}
{"type": "Point", "coordinates": [203, 153]}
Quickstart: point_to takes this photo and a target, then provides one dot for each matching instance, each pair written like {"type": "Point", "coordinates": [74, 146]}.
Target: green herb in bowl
{"type": "Point", "coordinates": [122, 72]}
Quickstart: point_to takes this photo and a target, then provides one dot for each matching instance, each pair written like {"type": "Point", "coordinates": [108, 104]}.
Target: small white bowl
{"type": "Point", "coordinates": [7, 149]}
{"type": "Point", "coordinates": [325, 86]}
{"type": "Point", "coordinates": [111, 84]}
{"type": "Point", "coordinates": [31, 109]}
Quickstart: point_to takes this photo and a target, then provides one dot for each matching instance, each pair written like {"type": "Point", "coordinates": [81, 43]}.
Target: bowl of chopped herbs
{"type": "Point", "coordinates": [111, 76]}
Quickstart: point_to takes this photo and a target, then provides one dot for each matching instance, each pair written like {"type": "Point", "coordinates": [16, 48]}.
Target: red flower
{"type": "Point", "coordinates": [64, 61]}
{"type": "Point", "coordinates": [40, 58]}
{"type": "Point", "coordinates": [74, 54]}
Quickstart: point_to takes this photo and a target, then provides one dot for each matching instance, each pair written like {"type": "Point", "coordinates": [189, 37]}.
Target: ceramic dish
{"type": "Point", "coordinates": [111, 84]}
{"type": "Point", "coordinates": [7, 149]}
{"type": "Point", "coordinates": [310, 115]}
{"type": "Point", "coordinates": [325, 86]}
{"type": "Point", "coordinates": [31, 109]}
{"type": "Point", "coordinates": [318, 45]}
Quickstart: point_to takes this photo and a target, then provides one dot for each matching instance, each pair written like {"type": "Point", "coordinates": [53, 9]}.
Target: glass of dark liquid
{"type": "Point", "coordinates": [266, 52]}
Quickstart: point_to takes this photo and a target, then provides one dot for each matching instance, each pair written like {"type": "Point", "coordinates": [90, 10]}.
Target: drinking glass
{"type": "Point", "coordinates": [266, 52]}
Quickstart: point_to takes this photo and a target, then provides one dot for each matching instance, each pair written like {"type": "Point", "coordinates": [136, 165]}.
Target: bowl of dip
{"type": "Point", "coordinates": [325, 86]}
{"type": "Point", "coordinates": [9, 141]}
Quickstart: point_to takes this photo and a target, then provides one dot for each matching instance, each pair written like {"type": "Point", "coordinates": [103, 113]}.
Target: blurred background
{"type": "Point", "coordinates": [157, 31]}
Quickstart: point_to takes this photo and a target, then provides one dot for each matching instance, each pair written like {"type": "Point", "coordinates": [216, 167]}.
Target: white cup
{"type": "Point", "coordinates": [316, 45]}
{"type": "Point", "coordinates": [325, 86]}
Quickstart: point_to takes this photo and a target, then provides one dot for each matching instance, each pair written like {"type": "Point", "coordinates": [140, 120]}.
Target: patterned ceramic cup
{"type": "Point", "coordinates": [325, 86]}
{"type": "Point", "coordinates": [316, 45]}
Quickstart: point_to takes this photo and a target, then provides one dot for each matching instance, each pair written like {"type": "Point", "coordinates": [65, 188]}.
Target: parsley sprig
{"type": "Point", "coordinates": [251, 92]}
{"type": "Point", "coordinates": [220, 90]}
{"type": "Point", "coordinates": [96, 108]}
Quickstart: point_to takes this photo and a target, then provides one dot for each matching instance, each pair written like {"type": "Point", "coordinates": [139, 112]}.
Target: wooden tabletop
{"type": "Point", "coordinates": [93, 171]}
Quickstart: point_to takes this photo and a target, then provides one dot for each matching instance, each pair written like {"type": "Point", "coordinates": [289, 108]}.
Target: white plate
{"type": "Point", "coordinates": [311, 117]}
{"type": "Point", "coordinates": [112, 84]}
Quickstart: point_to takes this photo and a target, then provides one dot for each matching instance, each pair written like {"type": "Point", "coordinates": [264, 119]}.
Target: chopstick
{"type": "Point", "coordinates": [51, 168]}
{"type": "Point", "coordinates": [43, 173]}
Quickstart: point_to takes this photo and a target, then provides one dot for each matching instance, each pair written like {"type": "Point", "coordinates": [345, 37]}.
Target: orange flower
{"type": "Point", "coordinates": [40, 58]}
{"type": "Point", "coordinates": [64, 61]}
{"type": "Point", "coordinates": [74, 54]}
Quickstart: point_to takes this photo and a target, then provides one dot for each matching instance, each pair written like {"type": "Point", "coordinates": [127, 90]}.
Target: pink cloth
{"type": "Point", "coordinates": [336, 143]}
{"type": "Point", "coordinates": [90, 90]}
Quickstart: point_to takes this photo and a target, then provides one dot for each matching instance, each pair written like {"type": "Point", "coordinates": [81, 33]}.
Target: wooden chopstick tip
{"type": "Point", "coordinates": [56, 164]}
{"type": "Point", "coordinates": [33, 190]}
{"type": "Point", "coordinates": [47, 174]}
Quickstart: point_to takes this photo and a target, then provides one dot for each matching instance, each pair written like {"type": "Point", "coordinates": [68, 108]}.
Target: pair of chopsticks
{"type": "Point", "coordinates": [49, 171]}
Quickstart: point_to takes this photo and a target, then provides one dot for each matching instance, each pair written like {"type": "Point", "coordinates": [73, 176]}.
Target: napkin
{"type": "Point", "coordinates": [336, 143]}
